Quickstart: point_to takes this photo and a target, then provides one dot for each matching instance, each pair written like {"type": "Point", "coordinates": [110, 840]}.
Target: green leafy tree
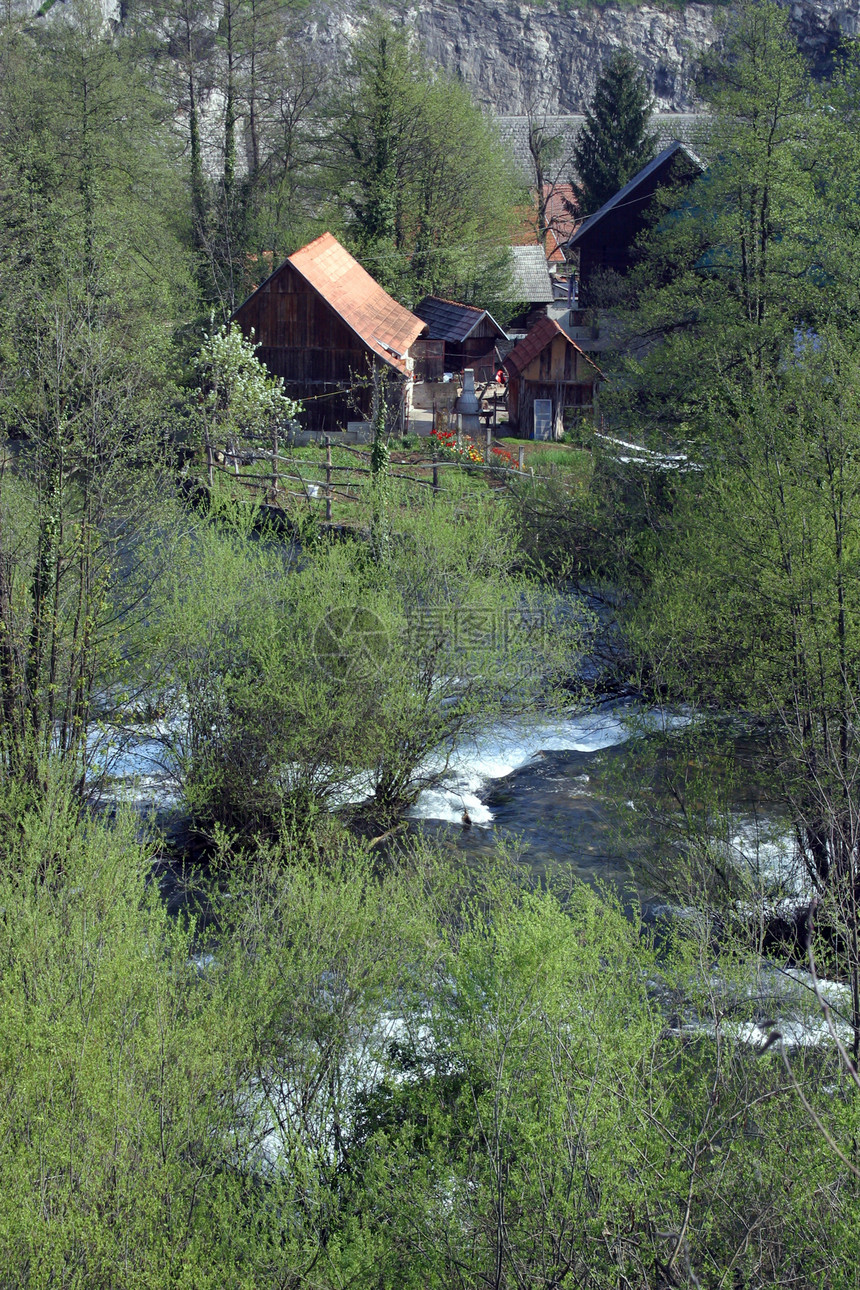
{"type": "Point", "coordinates": [615, 140]}
{"type": "Point", "coordinates": [427, 189]}
{"type": "Point", "coordinates": [736, 263]}
{"type": "Point", "coordinates": [401, 1074]}
{"type": "Point", "coordinates": [238, 399]}
{"type": "Point", "coordinates": [94, 283]}
{"type": "Point", "coordinates": [753, 600]}
{"type": "Point", "coordinates": [347, 680]}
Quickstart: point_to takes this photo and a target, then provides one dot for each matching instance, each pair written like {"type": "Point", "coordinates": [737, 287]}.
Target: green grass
{"type": "Point", "coordinates": [577, 462]}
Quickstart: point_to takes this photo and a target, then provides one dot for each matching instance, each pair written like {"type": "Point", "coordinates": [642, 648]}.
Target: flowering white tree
{"type": "Point", "coordinates": [239, 397]}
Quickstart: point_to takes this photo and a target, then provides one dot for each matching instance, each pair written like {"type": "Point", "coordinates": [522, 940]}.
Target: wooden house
{"type": "Point", "coordinates": [458, 336]}
{"type": "Point", "coordinates": [605, 243]}
{"type": "Point", "coordinates": [322, 323]}
{"type": "Point", "coordinates": [548, 374]}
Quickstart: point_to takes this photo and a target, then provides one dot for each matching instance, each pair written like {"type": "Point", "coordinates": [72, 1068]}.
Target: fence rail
{"type": "Point", "coordinates": [234, 461]}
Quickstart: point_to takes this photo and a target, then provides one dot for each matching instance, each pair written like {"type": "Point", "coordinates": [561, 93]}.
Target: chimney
{"type": "Point", "coordinates": [468, 406]}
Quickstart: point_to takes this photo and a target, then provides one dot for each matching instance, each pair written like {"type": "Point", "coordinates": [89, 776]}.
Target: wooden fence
{"type": "Point", "coordinates": [327, 481]}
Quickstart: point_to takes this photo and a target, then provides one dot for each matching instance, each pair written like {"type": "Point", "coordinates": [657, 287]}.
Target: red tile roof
{"type": "Point", "coordinates": [560, 216]}
{"type": "Point", "coordinates": [561, 219]}
{"type": "Point", "coordinates": [541, 335]}
{"type": "Point", "coordinates": [378, 320]}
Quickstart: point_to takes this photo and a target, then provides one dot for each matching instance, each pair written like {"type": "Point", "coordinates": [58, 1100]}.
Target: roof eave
{"type": "Point", "coordinates": [485, 314]}
{"type": "Point", "coordinates": [610, 205]}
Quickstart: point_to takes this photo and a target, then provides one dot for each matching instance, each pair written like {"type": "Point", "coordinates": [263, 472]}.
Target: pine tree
{"type": "Point", "coordinates": [615, 141]}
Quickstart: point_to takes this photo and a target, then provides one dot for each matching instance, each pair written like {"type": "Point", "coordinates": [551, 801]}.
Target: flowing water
{"type": "Point", "coordinates": [534, 785]}
{"type": "Point", "coordinates": [554, 792]}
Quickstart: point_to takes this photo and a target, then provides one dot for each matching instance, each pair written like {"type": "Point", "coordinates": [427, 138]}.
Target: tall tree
{"type": "Point", "coordinates": [93, 282]}
{"type": "Point", "coordinates": [427, 189]}
{"type": "Point", "coordinates": [268, 188]}
{"type": "Point", "coordinates": [737, 263]}
{"type": "Point", "coordinates": [615, 140]}
{"type": "Point", "coordinates": [177, 37]}
{"type": "Point", "coordinates": [750, 567]}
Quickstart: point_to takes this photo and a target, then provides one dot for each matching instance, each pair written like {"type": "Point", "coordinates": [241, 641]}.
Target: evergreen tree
{"type": "Point", "coordinates": [615, 140]}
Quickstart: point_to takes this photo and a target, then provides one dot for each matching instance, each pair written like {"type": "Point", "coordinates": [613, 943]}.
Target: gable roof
{"type": "Point", "coordinates": [542, 334]}
{"type": "Point", "coordinates": [384, 326]}
{"type": "Point", "coordinates": [451, 321]}
{"type": "Point", "coordinates": [565, 128]}
{"type": "Point", "coordinates": [627, 193]}
{"type": "Point", "coordinates": [531, 280]}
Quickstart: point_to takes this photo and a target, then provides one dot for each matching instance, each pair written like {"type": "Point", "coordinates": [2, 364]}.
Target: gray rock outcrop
{"type": "Point", "coordinates": [516, 57]}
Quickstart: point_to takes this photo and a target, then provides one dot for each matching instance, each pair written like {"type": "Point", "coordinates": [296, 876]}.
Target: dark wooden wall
{"type": "Point", "coordinates": [484, 329]}
{"type": "Point", "coordinates": [477, 352]}
{"type": "Point", "coordinates": [563, 394]}
{"type": "Point", "coordinates": [304, 341]}
{"type": "Point", "coordinates": [610, 244]}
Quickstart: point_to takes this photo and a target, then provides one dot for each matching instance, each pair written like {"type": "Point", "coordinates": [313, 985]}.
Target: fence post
{"type": "Point", "coordinates": [521, 457]}
{"type": "Point", "coordinates": [275, 461]}
{"type": "Point", "coordinates": [210, 462]}
{"type": "Point", "coordinates": [328, 479]}
{"type": "Point", "coordinates": [489, 447]}
{"type": "Point", "coordinates": [435, 477]}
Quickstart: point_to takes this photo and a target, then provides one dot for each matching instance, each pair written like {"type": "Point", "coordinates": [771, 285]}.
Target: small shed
{"type": "Point", "coordinates": [532, 285]}
{"type": "Point", "coordinates": [458, 336]}
{"type": "Point", "coordinates": [322, 323]}
{"type": "Point", "coordinates": [548, 367]}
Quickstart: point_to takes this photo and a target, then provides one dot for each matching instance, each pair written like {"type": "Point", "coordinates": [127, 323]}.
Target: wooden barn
{"type": "Point", "coordinates": [605, 243]}
{"type": "Point", "coordinates": [547, 375]}
{"type": "Point", "coordinates": [458, 336]}
{"type": "Point", "coordinates": [322, 323]}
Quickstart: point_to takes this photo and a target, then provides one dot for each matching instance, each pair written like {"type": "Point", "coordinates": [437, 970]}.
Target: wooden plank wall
{"type": "Point", "coordinates": [303, 341]}
{"type": "Point", "coordinates": [559, 361]}
{"type": "Point", "coordinates": [483, 330]}
{"type": "Point", "coordinates": [560, 373]}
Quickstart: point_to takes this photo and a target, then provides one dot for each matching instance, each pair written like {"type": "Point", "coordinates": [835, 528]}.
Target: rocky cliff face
{"type": "Point", "coordinates": [546, 56]}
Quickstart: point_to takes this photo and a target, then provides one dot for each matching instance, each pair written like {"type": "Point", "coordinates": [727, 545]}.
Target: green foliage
{"type": "Point", "coordinates": [615, 141]}
{"type": "Point", "coordinates": [403, 1076]}
{"type": "Point", "coordinates": [237, 397]}
{"type": "Point", "coordinates": [429, 189]}
{"type": "Point", "coordinates": [368, 1068]}
{"type": "Point", "coordinates": [351, 675]}
{"type": "Point", "coordinates": [115, 1059]}
{"type": "Point", "coordinates": [737, 262]}
{"type": "Point", "coordinates": [87, 374]}
{"type": "Point", "coordinates": [757, 586]}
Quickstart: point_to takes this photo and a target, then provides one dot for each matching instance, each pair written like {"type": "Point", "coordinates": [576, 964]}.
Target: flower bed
{"type": "Point", "coordinates": [467, 451]}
